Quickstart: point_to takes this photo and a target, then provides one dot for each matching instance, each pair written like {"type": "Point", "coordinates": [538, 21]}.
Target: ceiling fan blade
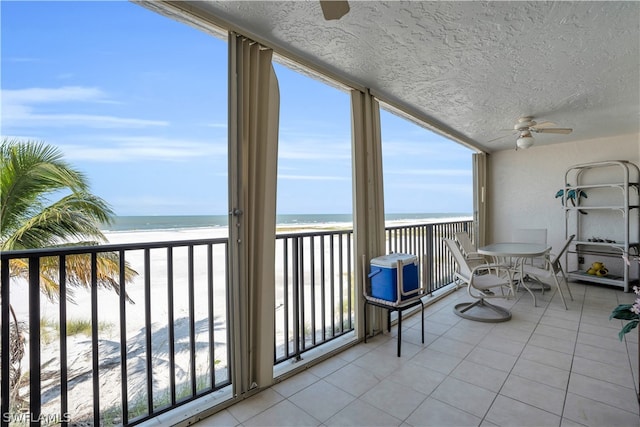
{"type": "Point", "coordinates": [553, 130]}
{"type": "Point", "coordinates": [544, 124]}
{"type": "Point", "coordinates": [334, 9]}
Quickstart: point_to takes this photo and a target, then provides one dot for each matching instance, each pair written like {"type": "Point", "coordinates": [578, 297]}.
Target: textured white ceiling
{"type": "Point", "coordinates": [471, 68]}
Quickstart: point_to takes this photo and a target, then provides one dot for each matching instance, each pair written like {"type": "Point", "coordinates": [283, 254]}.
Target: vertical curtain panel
{"type": "Point", "coordinates": [368, 191]}
{"type": "Point", "coordinates": [253, 155]}
{"type": "Point", "coordinates": [480, 197]}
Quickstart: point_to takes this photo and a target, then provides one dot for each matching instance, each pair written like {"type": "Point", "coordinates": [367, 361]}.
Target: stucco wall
{"type": "Point", "coordinates": [522, 184]}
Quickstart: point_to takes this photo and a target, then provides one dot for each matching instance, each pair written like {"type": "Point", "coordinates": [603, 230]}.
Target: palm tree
{"type": "Point", "coordinates": [45, 202]}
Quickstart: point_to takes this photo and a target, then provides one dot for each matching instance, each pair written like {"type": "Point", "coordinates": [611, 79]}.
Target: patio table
{"type": "Point", "coordinates": [520, 252]}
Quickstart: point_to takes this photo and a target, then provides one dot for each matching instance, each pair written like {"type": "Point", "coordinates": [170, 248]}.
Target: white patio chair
{"type": "Point", "coordinates": [483, 282]}
{"type": "Point", "coordinates": [550, 269]}
{"type": "Point", "coordinates": [468, 250]}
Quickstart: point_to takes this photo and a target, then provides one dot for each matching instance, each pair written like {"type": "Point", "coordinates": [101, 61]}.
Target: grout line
{"type": "Point", "coordinates": [573, 355]}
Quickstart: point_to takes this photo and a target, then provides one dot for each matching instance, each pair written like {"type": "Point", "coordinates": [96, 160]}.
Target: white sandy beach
{"type": "Point", "coordinates": [108, 301]}
{"type": "Point", "coordinates": [109, 315]}
{"type": "Point", "coordinates": [79, 346]}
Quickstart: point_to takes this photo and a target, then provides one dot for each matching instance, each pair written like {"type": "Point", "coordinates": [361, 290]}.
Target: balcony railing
{"type": "Point", "coordinates": [425, 241]}
{"type": "Point", "coordinates": [137, 361]}
{"type": "Point", "coordinates": [314, 290]}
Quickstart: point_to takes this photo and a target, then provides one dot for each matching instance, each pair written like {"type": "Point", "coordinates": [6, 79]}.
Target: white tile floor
{"type": "Point", "coordinates": [544, 367]}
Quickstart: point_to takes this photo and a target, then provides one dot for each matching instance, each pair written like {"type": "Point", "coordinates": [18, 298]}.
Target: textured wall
{"type": "Point", "coordinates": [523, 183]}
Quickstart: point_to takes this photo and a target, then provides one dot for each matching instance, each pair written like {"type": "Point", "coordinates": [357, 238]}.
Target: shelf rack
{"type": "Point", "coordinates": [620, 196]}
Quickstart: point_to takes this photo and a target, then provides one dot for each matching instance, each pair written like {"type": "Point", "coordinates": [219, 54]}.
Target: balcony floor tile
{"type": "Point", "coordinates": [546, 366]}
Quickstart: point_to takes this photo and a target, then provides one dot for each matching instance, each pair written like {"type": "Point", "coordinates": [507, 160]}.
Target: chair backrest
{"type": "Point", "coordinates": [556, 259]}
{"type": "Point", "coordinates": [463, 268]}
{"type": "Point", "coordinates": [530, 235]}
{"type": "Point", "coordinates": [465, 242]}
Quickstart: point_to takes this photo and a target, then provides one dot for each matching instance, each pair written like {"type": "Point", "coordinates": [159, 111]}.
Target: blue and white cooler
{"type": "Point", "coordinates": [384, 276]}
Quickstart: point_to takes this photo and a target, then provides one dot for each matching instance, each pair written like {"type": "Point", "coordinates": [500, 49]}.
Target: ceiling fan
{"type": "Point", "coordinates": [334, 9]}
{"type": "Point", "coordinates": [524, 128]}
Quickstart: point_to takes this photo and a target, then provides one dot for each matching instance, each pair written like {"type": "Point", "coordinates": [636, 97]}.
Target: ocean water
{"type": "Point", "coordinates": [171, 222]}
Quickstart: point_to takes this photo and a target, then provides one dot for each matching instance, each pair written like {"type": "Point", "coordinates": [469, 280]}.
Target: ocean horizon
{"type": "Point", "coordinates": [172, 222]}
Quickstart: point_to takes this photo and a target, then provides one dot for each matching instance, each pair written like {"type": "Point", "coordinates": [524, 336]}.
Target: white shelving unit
{"type": "Point", "coordinates": [606, 221]}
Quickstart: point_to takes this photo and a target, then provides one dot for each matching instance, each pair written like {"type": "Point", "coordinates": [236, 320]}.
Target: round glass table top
{"type": "Point", "coordinates": [515, 249]}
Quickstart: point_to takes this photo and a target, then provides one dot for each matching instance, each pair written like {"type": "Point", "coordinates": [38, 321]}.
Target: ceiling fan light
{"type": "Point", "coordinates": [525, 142]}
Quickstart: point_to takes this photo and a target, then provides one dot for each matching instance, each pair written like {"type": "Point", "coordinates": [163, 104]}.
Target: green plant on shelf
{"type": "Point", "coordinates": [573, 196]}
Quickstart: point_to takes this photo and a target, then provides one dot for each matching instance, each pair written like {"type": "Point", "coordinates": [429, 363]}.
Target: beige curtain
{"type": "Point", "coordinates": [368, 193]}
{"type": "Point", "coordinates": [480, 198]}
{"type": "Point", "coordinates": [253, 137]}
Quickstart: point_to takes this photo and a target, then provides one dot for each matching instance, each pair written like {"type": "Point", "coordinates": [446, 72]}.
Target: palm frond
{"type": "Point", "coordinates": [31, 174]}
{"type": "Point", "coordinates": [30, 171]}
{"type": "Point", "coordinates": [73, 217]}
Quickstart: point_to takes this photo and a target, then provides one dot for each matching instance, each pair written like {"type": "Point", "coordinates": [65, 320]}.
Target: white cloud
{"type": "Point", "coordinates": [316, 150]}
{"type": "Point", "coordinates": [217, 125]}
{"type": "Point", "coordinates": [425, 147]}
{"type": "Point", "coordinates": [431, 172]}
{"type": "Point", "coordinates": [18, 109]}
{"type": "Point", "coordinates": [20, 59]}
{"type": "Point", "coordinates": [432, 188]}
{"type": "Point", "coordinates": [156, 205]}
{"type": "Point", "coordinates": [17, 117]}
{"type": "Point", "coordinates": [37, 95]}
{"type": "Point", "coordinates": [150, 201]}
{"type": "Point", "coordinates": [314, 178]}
{"type": "Point", "coordinates": [138, 149]}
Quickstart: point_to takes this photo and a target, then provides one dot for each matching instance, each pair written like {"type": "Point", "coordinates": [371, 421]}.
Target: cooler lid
{"type": "Point", "coordinates": [391, 260]}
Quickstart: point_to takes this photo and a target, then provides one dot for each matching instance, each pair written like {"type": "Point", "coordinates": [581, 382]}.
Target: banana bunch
{"type": "Point", "coordinates": [598, 269]}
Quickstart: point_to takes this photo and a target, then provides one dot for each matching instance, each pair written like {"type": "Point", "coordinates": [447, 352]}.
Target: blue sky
{"type": "Point", "coordinates": [138, 102]}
